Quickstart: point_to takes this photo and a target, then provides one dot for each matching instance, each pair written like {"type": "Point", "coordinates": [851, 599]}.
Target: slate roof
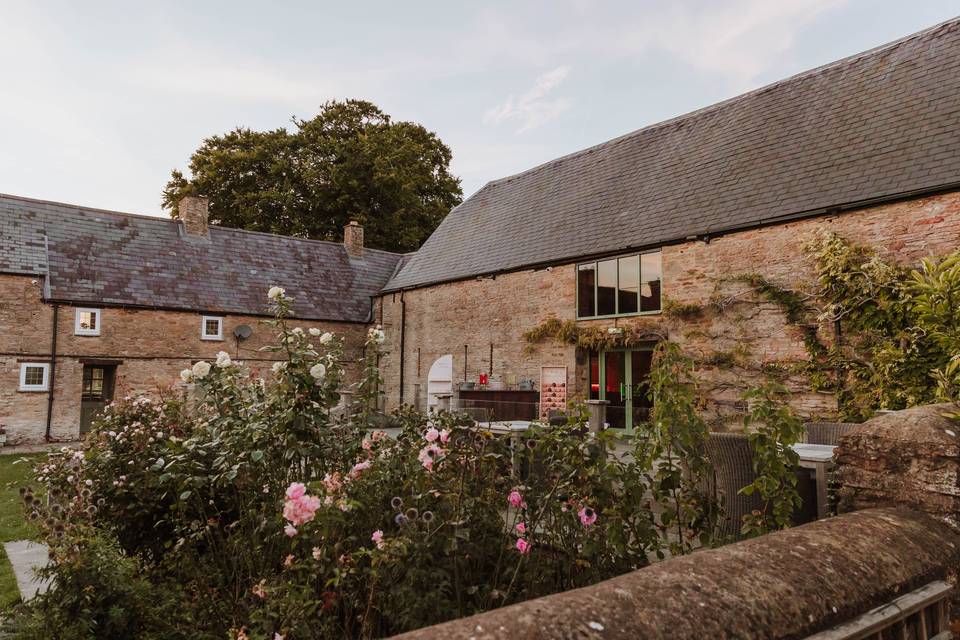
{"type": "Point", "coordinates": [871, 126]}
{"type": "Point", "coordinates": [110, 258]}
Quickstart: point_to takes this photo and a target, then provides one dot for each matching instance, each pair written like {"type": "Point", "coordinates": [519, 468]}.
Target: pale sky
{"type": "Point", "coordinates": [100, 100]}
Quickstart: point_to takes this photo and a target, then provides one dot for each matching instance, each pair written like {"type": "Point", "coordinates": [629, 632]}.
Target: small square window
{"type": "Point", "coordinates": [87, 322]}
{"type": "Point", "coordinates": [211, 328]}
{"type": "Point", "coordinates": [34, 376]}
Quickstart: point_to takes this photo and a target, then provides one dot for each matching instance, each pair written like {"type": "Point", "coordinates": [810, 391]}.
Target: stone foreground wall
{"type": "Point", "coordinates": [909, 457]}
{"type": "Point", "coordinates": [788, 584]}
{"type": "Point", "coordinates": [901, 469]}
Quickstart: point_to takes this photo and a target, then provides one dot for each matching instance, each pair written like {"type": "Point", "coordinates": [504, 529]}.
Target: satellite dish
{"type": "Point", "coordinates": [243, 331]}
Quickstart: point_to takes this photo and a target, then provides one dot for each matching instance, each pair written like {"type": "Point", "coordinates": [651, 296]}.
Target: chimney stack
{"type": "Point", "coordinates": [194, 213]}
{"type": "Point", "coordinates": [353, 239]}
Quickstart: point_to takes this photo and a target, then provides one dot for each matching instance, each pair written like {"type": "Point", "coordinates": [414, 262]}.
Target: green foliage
{"type": "Point", "coordinates": [97, 592]}
{"type": "Point", "coordinates": [795, 307]}
{"type": "Point", "coordinates": [935, 300]}
{"type": "Point", "coordinates": [948, 385]}
{"type": "Point", "coordinates": [350, 162]}
{"type": "Point", "coordinates": [248, 507]}
{"type": "Point", "coordinates": [685, 311]}
{"type": "Point", "coordinates": [897, 325]}
{"type": "Point", "coordinates": [772, 428]}
{"type": "Point", "coordinates": [674, 449]}
{"type": "Point", "coordinates": [591, 338]}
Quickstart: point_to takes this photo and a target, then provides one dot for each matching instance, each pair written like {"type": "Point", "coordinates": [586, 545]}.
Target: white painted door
{"type": "Point", "coordinates": [440, 379]}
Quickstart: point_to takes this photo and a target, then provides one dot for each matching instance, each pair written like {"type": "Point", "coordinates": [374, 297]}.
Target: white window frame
{"type": "Point", "coordinates": [203, 328]}
{"type": "Point", "coordinates": [45, 386]}
{"type": "Point", "coordinates": [80, 331]}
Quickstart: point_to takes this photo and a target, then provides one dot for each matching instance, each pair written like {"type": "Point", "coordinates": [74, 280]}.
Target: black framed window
{"type": "Point", "coordinates": [625, 285]}
{"type": "Point", "coordinates": [586, 290]}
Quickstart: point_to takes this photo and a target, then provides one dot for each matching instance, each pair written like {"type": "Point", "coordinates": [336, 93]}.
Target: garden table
{"type": "Point", "coordinates": [819, 459]}
{"type": "Point", "coordinates": [512, 428]}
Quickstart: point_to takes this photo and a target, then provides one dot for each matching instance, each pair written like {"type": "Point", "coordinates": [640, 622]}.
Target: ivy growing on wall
{"type": "Point", "coordinates": [591, 338]}
{"type": "Point", "coordinates": [895, 326]}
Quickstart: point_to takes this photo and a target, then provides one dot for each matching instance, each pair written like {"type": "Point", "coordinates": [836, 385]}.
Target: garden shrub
{"type": "Point", "coordinates": [252, 508]}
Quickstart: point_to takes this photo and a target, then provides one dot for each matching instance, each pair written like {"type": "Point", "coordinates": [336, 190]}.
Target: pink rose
{"type": "Point", "coordinates": [521, 528]}
{"type": "Point", "coordinates": [290, 530]}
{"type": "Point", "coordinates": [296, 490]}
{"type": "Point", "coordinates": [377, 537]}
{"type": "Point", "coordinates": [516, 500]}
{"type": "Point", "coordinates": [358, 468]}
{"type": "Point", "coordinates": [432, 434]}
{"type": "Point", "coordinates": [523, 546]}
{"type": "Point", "coordinates": [587, 516]}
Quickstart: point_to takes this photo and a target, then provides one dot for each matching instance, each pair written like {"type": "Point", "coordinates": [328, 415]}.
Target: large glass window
{"type": "Point", "coordinates": [607, 288]}
{"type": "Point", "coordinates": [619, 286]}
{"type": "Point", "coordinates": [628, 284]}
{"type": "Point", "coordinates": [651, 272]}
{"type": "Point", "coordinates": [586, 290]}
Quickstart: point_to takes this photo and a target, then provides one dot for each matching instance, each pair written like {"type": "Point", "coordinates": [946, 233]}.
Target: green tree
{"type": "Point", "coordinates": [350, 162]}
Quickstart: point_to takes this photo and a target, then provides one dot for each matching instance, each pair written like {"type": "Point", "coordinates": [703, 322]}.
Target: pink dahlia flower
{"type": "Point", "coordinates": [587, 516]}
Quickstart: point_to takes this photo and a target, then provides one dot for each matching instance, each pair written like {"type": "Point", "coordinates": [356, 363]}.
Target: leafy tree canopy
{"type": "Point", "coordinates": [350, 162]}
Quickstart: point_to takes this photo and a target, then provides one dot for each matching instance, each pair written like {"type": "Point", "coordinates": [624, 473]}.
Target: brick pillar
{"type": "Point", "coordinates": [353, 239]}
{"type": "Point", "coordinates": [194, 211]}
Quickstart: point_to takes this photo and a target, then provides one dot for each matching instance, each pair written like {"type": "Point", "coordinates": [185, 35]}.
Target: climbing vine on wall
{"type": "Point", "coordinates": [591, 338]}
{"type": "Point", "coordinates": [895, 326]}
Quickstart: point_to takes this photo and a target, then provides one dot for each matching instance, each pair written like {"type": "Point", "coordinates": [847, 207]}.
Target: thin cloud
{"type": "Point", "coordinates": [534, 108]}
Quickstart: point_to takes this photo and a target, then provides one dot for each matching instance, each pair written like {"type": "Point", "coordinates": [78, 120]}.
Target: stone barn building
{"type": "Point", "coordinates": [98, 304]}
{"type": "Point", "coordinates": [619, 246]}
{"type": "Point", "coordinates": [634, 234]}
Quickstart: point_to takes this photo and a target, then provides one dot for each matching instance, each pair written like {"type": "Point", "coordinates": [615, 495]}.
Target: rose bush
{"type": "Point", "coordinates": [259, 508]}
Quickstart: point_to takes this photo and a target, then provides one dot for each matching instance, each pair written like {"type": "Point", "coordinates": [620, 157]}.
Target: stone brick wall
{"type": "Point", "coordinates": [905, 458]}
{"type": "Point", "coordinates": [152, 347]}
{"type": "Point", "coordinates": [443, 319]}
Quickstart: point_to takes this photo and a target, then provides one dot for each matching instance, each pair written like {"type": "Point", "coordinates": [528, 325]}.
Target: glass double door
{"type": "Point", "coordinates": [620, 377]}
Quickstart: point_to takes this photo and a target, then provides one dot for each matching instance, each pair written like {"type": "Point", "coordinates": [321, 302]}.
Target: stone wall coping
{"type": "Point", "coordinates": [787, 584]}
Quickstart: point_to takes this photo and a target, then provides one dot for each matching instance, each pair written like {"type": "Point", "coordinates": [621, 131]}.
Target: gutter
{"type": "Point", "coordinates": [53, 370]}
{"type": "Point", "coordinates": [403, 335]}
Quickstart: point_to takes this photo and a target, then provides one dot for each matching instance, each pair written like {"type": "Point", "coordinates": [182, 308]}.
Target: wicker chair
{"type": "Point", "coordinates": [826, 432]}
{"type": "Point", "coordinates": [732, 460]}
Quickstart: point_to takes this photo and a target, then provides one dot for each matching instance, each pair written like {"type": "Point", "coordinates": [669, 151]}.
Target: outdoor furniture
{"type": "Point", "coordinates": [504, 404]}
{"type": "Point", "coordinates": [826, 432]}
{"type": "Point", "coordinates": [819, 459]}
{"type": "Point", "coordinates": [477, 414]}
{"type": "Point", "coordinates": [514, 429]}
{"type": "Point", "coordinates": [732, 460]}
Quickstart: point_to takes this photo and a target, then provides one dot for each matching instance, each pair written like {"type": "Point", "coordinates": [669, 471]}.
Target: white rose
{"type": "Point", "coordinates": [223, 359]}
{"type": "Point", "coordinates": [279, 366]}
{"type": "Point", "coordinates": [186, 375]}
{"type": "Point", "coordinates": [275, 293]}
{"type": "Point", "coordinates": [201, 369]}
{"type": "Point", "coordinates": [314, 331]}
{"type": "Point", "coordinates": [298, 331]}
{"type": "Point", "coordinates": [318, 371]}
{"type": "Point", "coordinates": [326, 338]}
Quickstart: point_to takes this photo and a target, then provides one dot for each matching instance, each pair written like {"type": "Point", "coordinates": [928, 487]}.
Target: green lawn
{"type": "Point", "coordinates": [15, 471]}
